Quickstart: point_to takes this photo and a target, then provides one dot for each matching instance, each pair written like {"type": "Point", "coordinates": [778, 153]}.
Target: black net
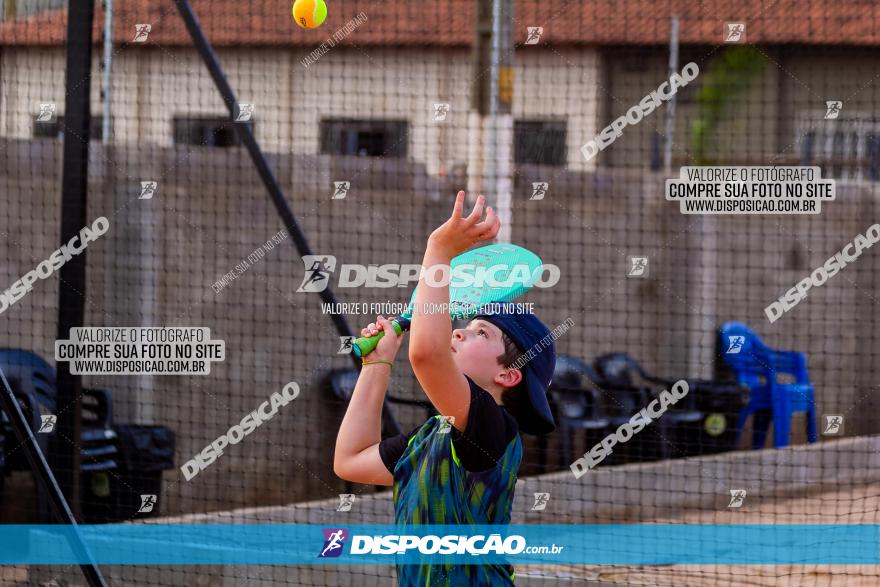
{"type": "Point", "coordinates": [581, 129]}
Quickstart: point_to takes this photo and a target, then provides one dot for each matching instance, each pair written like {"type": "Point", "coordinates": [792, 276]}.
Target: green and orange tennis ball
{"type": "Point", "coordinates": [309, 14]}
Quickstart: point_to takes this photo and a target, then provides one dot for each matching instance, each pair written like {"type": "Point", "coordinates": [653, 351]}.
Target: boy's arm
{"type": "Point", "coordinates": [357, 444]}
{"type": "Point", "coordinates": [431, 332]}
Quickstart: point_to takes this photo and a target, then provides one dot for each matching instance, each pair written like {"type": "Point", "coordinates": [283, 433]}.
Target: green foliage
{"type": "Point", "coordinates": [727, 78]}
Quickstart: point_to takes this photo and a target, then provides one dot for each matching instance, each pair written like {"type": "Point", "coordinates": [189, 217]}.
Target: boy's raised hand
{"type": "Point", "coordinates": [388, 345]}
{"type": "Point", "coordinates": [460, 233]}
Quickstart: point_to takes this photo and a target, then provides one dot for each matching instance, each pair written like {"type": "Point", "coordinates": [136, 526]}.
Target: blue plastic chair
{"type": "Point", "coordinates": [759, 367]}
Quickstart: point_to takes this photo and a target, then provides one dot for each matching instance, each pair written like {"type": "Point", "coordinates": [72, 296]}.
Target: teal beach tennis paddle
{"type": "Point", "coordinates": [504, 262]}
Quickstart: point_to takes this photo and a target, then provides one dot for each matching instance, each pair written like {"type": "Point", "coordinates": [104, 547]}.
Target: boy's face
{"type": "Point", "coordinates": [476, 349]}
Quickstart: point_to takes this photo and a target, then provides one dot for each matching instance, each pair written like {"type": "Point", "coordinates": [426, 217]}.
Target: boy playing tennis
{"type": "Point", "coordinates": [462, 474]}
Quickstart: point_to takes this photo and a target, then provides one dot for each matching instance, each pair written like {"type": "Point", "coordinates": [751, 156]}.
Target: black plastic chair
{"type": "Point", "coordinates": [33, 384]}
{"type": "Point", "coordinates": [686, 418]}
{"type": "Point", "coordinates": [626, 392]}
{"type": "Point", "coordinates": [577, 406]}
{"type": "Point", "coordinates": [620, 368]}
{"type": "Point", "coordinates": [98, 437]}
{"type": "Point", "coordinates": [145, 451]}
{"type": "Point", "coordinates": [99, 453]}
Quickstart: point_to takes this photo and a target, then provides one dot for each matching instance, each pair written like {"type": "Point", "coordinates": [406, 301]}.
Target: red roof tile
{"type": "Point", "coordinates": [451, 22]}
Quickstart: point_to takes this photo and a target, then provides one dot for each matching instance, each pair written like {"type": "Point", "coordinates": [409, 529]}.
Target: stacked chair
{"type": "Point", "coordinates": [33, 384]}
{"type": "Point", "coordinates": [748, 361]}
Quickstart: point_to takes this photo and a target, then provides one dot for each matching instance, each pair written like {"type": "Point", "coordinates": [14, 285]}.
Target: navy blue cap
{"type": "Point", "coordinates": [529, 334]}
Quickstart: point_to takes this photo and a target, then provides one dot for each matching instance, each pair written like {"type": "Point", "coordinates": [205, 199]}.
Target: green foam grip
{"type": "Point", "coordinates": [365, 345]}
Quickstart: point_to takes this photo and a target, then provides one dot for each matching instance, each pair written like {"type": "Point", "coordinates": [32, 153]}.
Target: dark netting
{"type": "Point", "coordinates": [578, 121]}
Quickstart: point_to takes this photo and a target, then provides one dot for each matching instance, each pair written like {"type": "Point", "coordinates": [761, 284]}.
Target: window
{"type": "Point", "coordinates": [539, 142]}
{"type": "Point", "coordinates": [214, 131]}
{"type": "Point", "coordinates": [847, 147]}
{"type": "Point", "coordinates": [55, 129]}
{"type": "Point", "coordinates": [365, 138]}
{"type": "Point", "coordinates": [11, 10]}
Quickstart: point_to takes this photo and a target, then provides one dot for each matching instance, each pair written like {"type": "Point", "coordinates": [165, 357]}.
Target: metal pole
{"type": "Point", "coordinates": [64, 452]}
{"type": "Point", "coordinates": [108, 64]}
{"type": "Point", "coordinates": [71, 294]}
{"type": "Point", "coordinates": [43, 475]}
{"type": "Point", "coordinates": [670, 105]}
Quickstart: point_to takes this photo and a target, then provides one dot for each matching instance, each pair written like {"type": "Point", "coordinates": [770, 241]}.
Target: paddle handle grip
{"type": "Point", "coordinates": [365, 345]}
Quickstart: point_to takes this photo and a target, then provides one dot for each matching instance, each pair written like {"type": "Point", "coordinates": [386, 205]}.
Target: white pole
{"type": "Point", "coordinates": [670, 105]}
{"type": "Point", "coordinates": [500, 174]}
{"type": "Point", "coordinates": [492, 167]}
{"type": "Point", "coordinates": [108, 62]}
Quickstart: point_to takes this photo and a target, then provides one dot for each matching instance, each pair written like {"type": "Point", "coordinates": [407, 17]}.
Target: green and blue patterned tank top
{"type": "Point", "coordinates": [432, 487]}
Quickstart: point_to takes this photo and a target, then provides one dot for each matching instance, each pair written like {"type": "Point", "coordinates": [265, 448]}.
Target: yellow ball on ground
{"type": "Point", "coordinates": [309, 14]}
